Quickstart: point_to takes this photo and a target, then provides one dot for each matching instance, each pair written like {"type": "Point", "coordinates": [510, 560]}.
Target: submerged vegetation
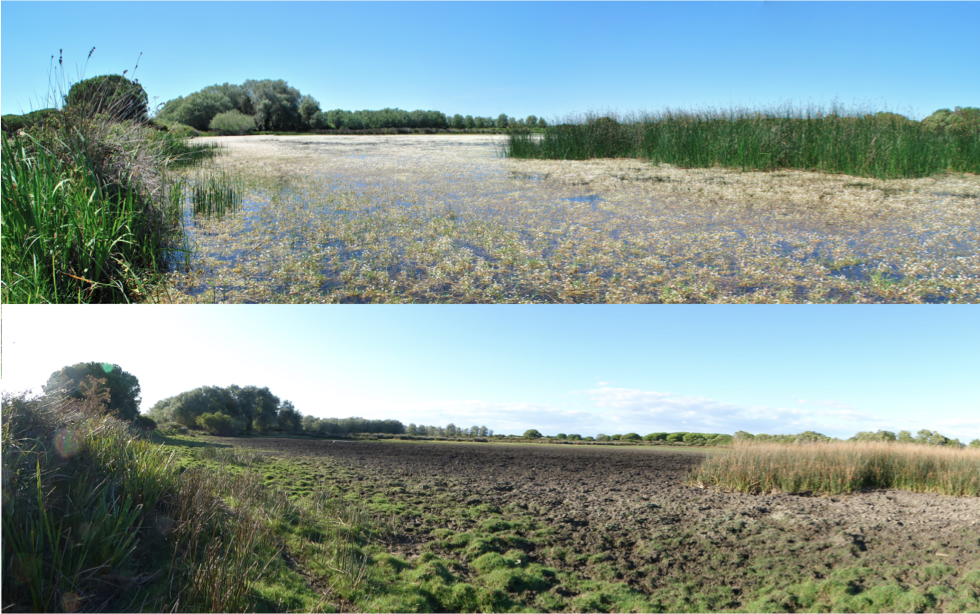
{"type": "Point", "coordinates": [842, 467]}
{"type": "Point", "coordinates": [882, 145]}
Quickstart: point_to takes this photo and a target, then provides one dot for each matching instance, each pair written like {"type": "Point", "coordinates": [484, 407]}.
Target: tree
{"type": "Point", "coordinates": [531, 121]}
{"type": "Point", "coordinates": [276, 104]}
{"type": "Point", "coordinates": [112, 95]}
{"type": "Point", "coordinates": [501, 121]}
{"type": "Point", "coordinates": [308, 108]}
{"type": "Point", "coordinates": [289, 418]}
{"type": "Point", "coordinates": [458, 122]}
{"type": "Point", "coordinates": [469, 123]}
{"type": "Point", "coordinates": [124, 388]}
{"type": "Point", "coordinates": [532, 434]}
{"type": "Point", "coordinates": [542, 123]}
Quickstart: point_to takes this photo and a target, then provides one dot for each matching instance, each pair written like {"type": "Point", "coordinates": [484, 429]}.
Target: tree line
{"type": "Point", "coordinates": [273, 105]}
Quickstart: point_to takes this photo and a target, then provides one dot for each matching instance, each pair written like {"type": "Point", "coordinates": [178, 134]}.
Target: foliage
{"type": "Point", "coordinates": [966, 118]}
{"type": "Point", "coordinates": [123, 387]}
{"type": "Point", "coordinates": [112, 95]}
{"type": "Point", "coordinates": [251, 407]}
{"type": "Point", "coordinates": [218, 423]}
{"type": "Point", "coordinates": [74, 512]}
{"type": "Point", "coordinates": [232, 122]}
{"type": "Point", "coordinates": [14, 123]}
{"type": "Point", "coordinates": [532, 434]}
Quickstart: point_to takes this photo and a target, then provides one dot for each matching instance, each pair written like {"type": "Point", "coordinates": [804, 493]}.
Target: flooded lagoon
{"type": "Point", "coordinates": [445, 218]}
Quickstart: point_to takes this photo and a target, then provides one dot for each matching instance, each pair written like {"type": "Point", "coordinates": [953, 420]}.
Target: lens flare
{"type": "Point", "coordinates": [66, 442]}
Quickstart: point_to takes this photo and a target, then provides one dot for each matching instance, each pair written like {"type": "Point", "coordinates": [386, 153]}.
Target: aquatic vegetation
{"type": "Point", "coordinates": [854, 142]}
{"type": "Point", "coordinates": [446, 219]}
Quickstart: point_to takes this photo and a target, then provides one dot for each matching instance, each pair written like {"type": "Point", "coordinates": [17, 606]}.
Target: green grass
{"type": "Point", "coordinates": [834, 141]}
{"type": "Point", "coordinates": [834, 468]}
{"type": "Point", "coordinates": [68, 237]}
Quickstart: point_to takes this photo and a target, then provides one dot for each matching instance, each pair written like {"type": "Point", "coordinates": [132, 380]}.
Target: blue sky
{"type": "Point", "coordinates": [550, 59]}
{"type": "Point", "coordinates": [611, 369]}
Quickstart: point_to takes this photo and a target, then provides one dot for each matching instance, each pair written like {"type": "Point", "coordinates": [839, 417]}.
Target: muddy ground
{"type": "Point", "coordinates": [627, 514]}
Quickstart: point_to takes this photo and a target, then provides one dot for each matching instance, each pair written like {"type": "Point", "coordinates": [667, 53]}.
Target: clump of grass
{"type": "Point", "coordinates": [215, 194]}
{"type": "Point", "coordinates": [78, 491]}
{"type": "Point", "coordinates": [842, 467]}
{"type": "Point", "coordinates": [90, 213]}
{"type": "Point", "coordinates": [852, 142]}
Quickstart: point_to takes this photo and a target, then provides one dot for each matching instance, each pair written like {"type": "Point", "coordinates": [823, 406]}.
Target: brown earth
{"type": "Point", "coordinates": [633, 504]}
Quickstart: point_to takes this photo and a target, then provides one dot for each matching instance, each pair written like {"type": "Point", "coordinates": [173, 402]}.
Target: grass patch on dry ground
{"type": "Point", "coordinates": [842, 467]}
{"type": "Point", "coordinates": [459, 541]}
{"type": "Point", "coordinates": [441, 219]}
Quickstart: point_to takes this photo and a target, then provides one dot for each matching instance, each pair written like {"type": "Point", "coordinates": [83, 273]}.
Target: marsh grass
{"type": "Point", "coordinates": [214, 194]}
{"type": "Point", "coordinates": [78, 490]}
{"type": "Point", "coordinates": [98, 517]}
{"type": "Point", "coordinates": [853, 142]}
{"type": "Point", "coordinates": [842, 467]}
{"type": "Point", "coordinates": [91, 210]}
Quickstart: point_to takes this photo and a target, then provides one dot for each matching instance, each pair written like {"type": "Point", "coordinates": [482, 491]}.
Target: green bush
{"type": "Point", "coordinates": [675, 437]}
{"type": "Point", "coordinates": [616, 437]}
{"type": "Point", "coordinates": [183, 131]}
{"type": "Point", "coordinates": [532, 434]}
{"type": "Point", "coordinates": [217, 423]}
{"type": "Point", "coordinates": [13, 123]}
{"type": "Point", "coordinates": [232, 122]}
{"type": "Point", "coordinates": [656, 437]}
{"type": "Point", "coordinates": [561, 436]}
{"type": "Point", "coordinates": [631, 437]}
{"type": "Point", "coordinates": [112, 95]}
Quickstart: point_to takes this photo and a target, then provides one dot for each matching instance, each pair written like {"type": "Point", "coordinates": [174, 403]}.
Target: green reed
{"type": "Point", "coordinates": [215, 194]}
{"type": "Point", "coordinates": [853, 143]}
{"type": "Point", "coordinates": [834, 468]}
{"type": "Point", "coordinates": [68, 237]}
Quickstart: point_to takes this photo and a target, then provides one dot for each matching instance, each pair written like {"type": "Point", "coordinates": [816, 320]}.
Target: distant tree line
{"type": "Point", "coordinates": [450, 430]}
{"type": "Point", "coordinates": [924, 437]}
{"type": "Point", "coordinates": [275, 106]}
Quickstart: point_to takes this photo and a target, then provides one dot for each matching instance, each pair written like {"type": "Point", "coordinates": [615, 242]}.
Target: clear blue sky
{"type": "Point", "coordinates": [550, 59]}
{"type": "Point", "coordinates": [834, 369]}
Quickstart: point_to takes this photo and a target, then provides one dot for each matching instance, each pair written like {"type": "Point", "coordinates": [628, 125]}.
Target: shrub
{"type": "Point", "coordinates": [232, 122]}
{"type": "Point", "coordinates": [675, 437]}
{"type": "Point", "coordinates": [14, 123]}
{"type": "Point", "coordinates": [631, 437]}
{"type": "Point", "coordinates": [217, 423]}
{"type": "Point", "coordinates": [146, 423]}
{"type": "Point", "coordinates": [616, 437]}
{"type": "Point", "coordinates": [561, 436]}
{"type": "Point", "coordinates": [183, 131]}
{"type": "Point", "coordinates": [575, 437]}
{"type": "Point", "coordinates": [532, 434]}
{"type": "Point", "coordinates": [112, 95]}
{"type": "Point", "coordinates": [656, 437]}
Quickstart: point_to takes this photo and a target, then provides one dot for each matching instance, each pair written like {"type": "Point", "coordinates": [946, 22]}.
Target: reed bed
{"type": "Point", "coordinates": [857, 143]}
{"type": "Point", "coordinates": [842, 467]}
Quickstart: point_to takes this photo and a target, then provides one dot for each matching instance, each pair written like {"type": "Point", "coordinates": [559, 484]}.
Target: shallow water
{"type": "Point", "coordinates": [447, 219]}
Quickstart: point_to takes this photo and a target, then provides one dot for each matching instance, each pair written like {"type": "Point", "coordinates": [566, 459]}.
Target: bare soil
{"type": "Point", "coordinates": [631, 506]}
